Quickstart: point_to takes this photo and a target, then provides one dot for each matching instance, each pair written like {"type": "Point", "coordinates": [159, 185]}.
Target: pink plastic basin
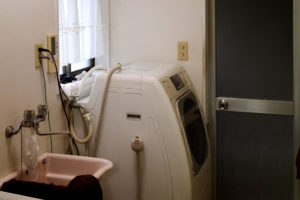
{"type": "Point", "coordinates": [60, 169]}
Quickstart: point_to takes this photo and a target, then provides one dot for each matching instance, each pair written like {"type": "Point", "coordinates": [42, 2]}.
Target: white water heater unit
{"type": "Point", "coordinates": [157, 103]}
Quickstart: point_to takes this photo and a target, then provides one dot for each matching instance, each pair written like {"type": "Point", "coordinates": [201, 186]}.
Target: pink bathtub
{"type": "Point", "coordinates": [60, 169]}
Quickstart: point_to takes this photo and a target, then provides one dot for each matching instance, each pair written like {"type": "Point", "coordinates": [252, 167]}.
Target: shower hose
{"type": "Point", "coordinates": [86, 117]}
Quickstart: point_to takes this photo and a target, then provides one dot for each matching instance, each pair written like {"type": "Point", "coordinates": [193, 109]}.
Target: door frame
{"type": "Point", "coordinates": [211, 86]}
{"type": "Point", "coordinates": [296, 27]}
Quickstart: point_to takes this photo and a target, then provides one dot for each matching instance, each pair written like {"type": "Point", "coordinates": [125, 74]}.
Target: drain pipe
{"type": "Point", "coordinates": [137, 146]}
{"type": "Point", "coordinates": [99, 126]}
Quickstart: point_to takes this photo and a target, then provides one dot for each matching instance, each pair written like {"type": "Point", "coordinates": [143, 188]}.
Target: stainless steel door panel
{"type": "Point", "coordinates": [254, 106]}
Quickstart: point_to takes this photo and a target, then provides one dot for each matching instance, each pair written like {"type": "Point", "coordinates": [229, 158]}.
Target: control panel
{"type": "Point", "coordinates": [175, 83]}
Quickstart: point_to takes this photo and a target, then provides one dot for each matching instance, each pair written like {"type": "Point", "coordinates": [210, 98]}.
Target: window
{"type": "Point", "coordinates": [83, 33]}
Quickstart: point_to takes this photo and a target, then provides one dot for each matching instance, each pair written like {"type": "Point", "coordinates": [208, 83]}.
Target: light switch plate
{"type": "Point", "coordinates": [182, 50]}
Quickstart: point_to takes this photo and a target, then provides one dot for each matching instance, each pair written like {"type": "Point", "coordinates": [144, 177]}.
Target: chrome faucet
{"type": "Point", "coordinates": [32, 120]}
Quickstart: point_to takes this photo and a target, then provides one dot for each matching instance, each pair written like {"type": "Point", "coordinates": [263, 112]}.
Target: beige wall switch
{"type": "Point", "coordinates": [182, 50]}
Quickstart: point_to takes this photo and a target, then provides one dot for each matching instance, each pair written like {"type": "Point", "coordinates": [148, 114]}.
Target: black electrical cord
{"type": "Point", "coordinates": [46, 102]}
{"type": "Point", "coordinates": [58, 83]}
{"type": "Point", "coordinates": [61, 92]}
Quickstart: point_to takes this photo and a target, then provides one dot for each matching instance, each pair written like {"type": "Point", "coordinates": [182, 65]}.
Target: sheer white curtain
{"type": "Point", "coordinates": [80, 30]}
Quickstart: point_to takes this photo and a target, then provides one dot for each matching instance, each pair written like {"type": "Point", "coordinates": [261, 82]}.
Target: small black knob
{"type": "Point", "coordinates": [223, 105]}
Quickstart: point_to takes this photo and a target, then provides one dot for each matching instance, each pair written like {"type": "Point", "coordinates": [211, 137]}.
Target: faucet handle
{"type": "Point", "coordinates": [42, 111]}
{"type": "Point", "coordinates": [29, 116]}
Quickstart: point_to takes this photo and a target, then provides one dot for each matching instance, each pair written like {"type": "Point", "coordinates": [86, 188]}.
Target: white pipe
{"type": "Point", "coordinates": [99, 126]}
{"type": "Point", "coordinates": [137, 146]}
{"type": "Point", "coordinates": [88, 127]}
{"type": "Point", "coordinates": [86, 131]}
{"type": "Point", "coordinates": [71, 145]}
{"type": "Point", "coordinates": [86, 120]}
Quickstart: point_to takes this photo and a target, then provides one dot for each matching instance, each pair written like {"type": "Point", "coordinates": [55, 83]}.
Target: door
{"type": "Point", "coordinates": [254, 99]}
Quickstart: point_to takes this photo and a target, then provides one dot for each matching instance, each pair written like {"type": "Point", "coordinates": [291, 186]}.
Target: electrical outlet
{"type": "Point", "coordinates": [182, 50]}
{"type": "Point", "coordinates": [37, 54]}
